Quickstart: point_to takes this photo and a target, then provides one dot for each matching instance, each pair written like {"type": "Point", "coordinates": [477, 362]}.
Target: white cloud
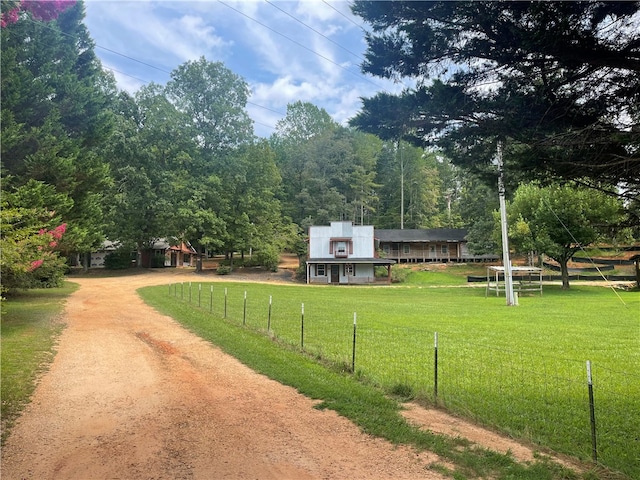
{"type": "Point", "coordinates": [249, 37]}
{"type": "Point", "coordinates": [145, 32]}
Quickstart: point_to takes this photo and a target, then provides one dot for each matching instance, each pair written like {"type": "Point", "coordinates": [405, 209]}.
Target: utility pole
{"type": "Point", "coordinates": [506, 260]}
{"type": "Point", "coordinates": [401, 186]}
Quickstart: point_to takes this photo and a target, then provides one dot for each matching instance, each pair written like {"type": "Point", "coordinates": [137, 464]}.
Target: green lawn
{"type": "Point", "coordinates": [28, 331]}
{"type": "Point", "coordinates": [520, 369]}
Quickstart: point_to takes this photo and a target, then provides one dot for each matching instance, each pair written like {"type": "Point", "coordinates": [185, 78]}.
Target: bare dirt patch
{"type": "Point", "coordinates": [133, 395]}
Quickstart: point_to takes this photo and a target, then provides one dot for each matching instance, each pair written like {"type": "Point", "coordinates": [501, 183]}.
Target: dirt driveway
{"type": "Point", "coordinates": [133, 395]}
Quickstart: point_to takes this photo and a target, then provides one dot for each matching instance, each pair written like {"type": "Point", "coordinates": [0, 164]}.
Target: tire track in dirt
{"type": "Point", "coordinates": [133, 395]}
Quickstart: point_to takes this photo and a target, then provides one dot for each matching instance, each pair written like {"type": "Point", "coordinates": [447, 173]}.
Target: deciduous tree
{"type": "Point", "coordinates": [558, 221]}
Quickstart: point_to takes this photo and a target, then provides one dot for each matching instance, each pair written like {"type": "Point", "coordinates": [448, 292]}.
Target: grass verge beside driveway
{"type": "Point", "coordinates": [29, 328]}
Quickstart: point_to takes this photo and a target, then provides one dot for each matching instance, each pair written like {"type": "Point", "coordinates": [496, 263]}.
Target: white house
{"type": "Point", "coordinates": [343, 253]}
{"type": "Point", "coordinates": [97, 257]}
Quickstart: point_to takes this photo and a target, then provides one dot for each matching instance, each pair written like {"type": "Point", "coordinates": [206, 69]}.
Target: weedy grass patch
{"type": "Point", "coordinates": [520, 369]}
{"type": "Point", "coordinates": [29, 328]}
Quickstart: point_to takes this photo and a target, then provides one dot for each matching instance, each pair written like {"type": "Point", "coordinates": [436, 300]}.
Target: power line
{"type": "Point", "coordinates": [299, 44]}
{"type": "Point", "coordinates": [342, 14]}
{"type": "Point", "coordinates": [546, 202]}
{"type": "Point", "coordinates": [360, 76]}
{"type": "Point", "coordinates": [314, 30]}
{"type": "Point", "coordinates": [40, 24]}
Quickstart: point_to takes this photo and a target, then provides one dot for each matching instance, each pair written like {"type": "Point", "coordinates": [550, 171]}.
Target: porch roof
{"type": "Point", "coordinates": [421, 235]}
{"type": "Point", "coordinates": [375, 261]}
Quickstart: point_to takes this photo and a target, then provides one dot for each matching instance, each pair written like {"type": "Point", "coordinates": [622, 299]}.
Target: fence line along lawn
{"type": "Point", "coordinates": [521, 369]}
{"type": "Point", "coordinates": [29, 328]}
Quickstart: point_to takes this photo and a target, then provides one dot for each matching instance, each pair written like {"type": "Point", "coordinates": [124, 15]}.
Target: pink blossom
{"type": "Point", "coordinates": [10, 17]}
{"type": "Point", "coordinates": [47, 10]}
{"type": "Point", "coordinates": [44, 10]}
{"type": "Point", "coordinates": [35, 264]}
{"type": "Point", "coordinates": [59, 231]}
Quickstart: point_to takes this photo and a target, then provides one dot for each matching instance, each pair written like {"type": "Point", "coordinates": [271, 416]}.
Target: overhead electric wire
{"type": "Point", "coordinates": [99, 46]}
{"type": "Point", "coordinates": [359, 75]}
{"type": "Point", "coordinates": [340, 13]}
{"type": "Point", "coordinates": [298, 43]}
{"type": "Point", "coordinates": [147, 65]}
{"type": "Point", "coordinates": [126, 74]}
{"type": "Point", "coordinates": [583, 250]}
{"type": "Point", "coordinates": [314, 30]}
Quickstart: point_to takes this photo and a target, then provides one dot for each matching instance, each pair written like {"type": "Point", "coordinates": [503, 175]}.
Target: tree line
{"type": "Point", "coordinates": [181, 161]}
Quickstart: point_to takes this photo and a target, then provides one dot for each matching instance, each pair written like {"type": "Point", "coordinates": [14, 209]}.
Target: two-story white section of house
{"type": "Point", "coordinates": [343, 253]}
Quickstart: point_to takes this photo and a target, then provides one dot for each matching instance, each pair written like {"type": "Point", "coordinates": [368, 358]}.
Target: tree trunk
{"type": "Point", "coordinates": [199, 257]}
{"type": "Point", "coordinates": [565, 273]}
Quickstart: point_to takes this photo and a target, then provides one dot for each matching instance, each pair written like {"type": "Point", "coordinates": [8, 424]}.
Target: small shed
{"type": "Point", "coordinates": [525, 279]}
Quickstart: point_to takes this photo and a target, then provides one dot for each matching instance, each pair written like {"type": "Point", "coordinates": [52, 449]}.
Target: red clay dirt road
{"type": "Point", "coordinates": [133, 395]}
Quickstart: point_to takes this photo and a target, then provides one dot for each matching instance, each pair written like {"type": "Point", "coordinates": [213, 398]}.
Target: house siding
{"type": "Point", "coordinates": [342, 253]}
{"type": "Point", "coordinates": [428, 245]}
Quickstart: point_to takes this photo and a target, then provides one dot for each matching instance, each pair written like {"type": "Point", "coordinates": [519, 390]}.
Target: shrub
{"type": "Point", "coordinates": [223, 270]}
{"type": "Point", "coordinates": [380, 272]}
{"type": "Point", "coordinates": [157, 260]}
{"type": "Point", "coordinates": [118, 259]}
{"type": "Point", "coordinates": [399, 274]}
{"type": "Point", "coordinates": [269, 257]}
{"type": "Point", "coordinates": [301, 272]}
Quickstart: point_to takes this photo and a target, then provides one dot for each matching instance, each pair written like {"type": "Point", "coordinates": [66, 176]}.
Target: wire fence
{"type": "Point", "coordinates": [570, 406]}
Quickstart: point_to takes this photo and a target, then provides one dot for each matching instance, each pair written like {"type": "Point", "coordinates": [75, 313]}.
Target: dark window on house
{"type": "Point", "coordinates": [444, 248]}
{"type": "Point", "coordinates": [321, 270]}
{"type": "Point", "coordinates": [406, 248]}
{"type": "Point", "coordinates": [349, 269]}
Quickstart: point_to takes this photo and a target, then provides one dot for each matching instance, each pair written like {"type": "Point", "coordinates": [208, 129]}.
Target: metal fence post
{"type": "Point", "coordinates": [592, 414]}
{"type": "Point", "coordinates": [244, 309]}
{"type": "Point", "coordinates": [302, 328]}
{"type": "Point", "coordinates": [353, 355]}
{"type": "Point", "coordinates": [435, 366]}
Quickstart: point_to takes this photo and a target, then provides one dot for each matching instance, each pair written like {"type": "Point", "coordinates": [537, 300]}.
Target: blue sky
{"type": "Point", "coordinates": [286, 51]}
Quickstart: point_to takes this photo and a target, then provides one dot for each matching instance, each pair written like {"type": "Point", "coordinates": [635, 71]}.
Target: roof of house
{"type": "Point", "coordinates": [421, 235]}
{"type": "Point", "coordinates": [165, 244]}
{"type": "Point", "coordinates": [375, 261]}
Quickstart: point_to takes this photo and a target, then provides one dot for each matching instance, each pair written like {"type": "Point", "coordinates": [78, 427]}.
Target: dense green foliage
{"type": "Point", "coordinates": [557, 80]}
{"type": "Point", "coordinates": [560, 221]}
{"type": "Point", "coordinates": [511, 368]}
{"type": "Point", "coordinates": [54, 116]}
{"type": "Point", "coordinates": [180, 161]}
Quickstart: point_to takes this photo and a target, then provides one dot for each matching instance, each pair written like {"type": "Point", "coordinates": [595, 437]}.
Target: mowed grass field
{"type": "Point", "coordinates": [519, 369]}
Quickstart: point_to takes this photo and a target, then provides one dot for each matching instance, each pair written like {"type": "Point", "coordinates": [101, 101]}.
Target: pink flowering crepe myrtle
{"type": "Point", "coordinates": [56, 234]}
{"type": "Point", "coordinates": [46, 10]}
